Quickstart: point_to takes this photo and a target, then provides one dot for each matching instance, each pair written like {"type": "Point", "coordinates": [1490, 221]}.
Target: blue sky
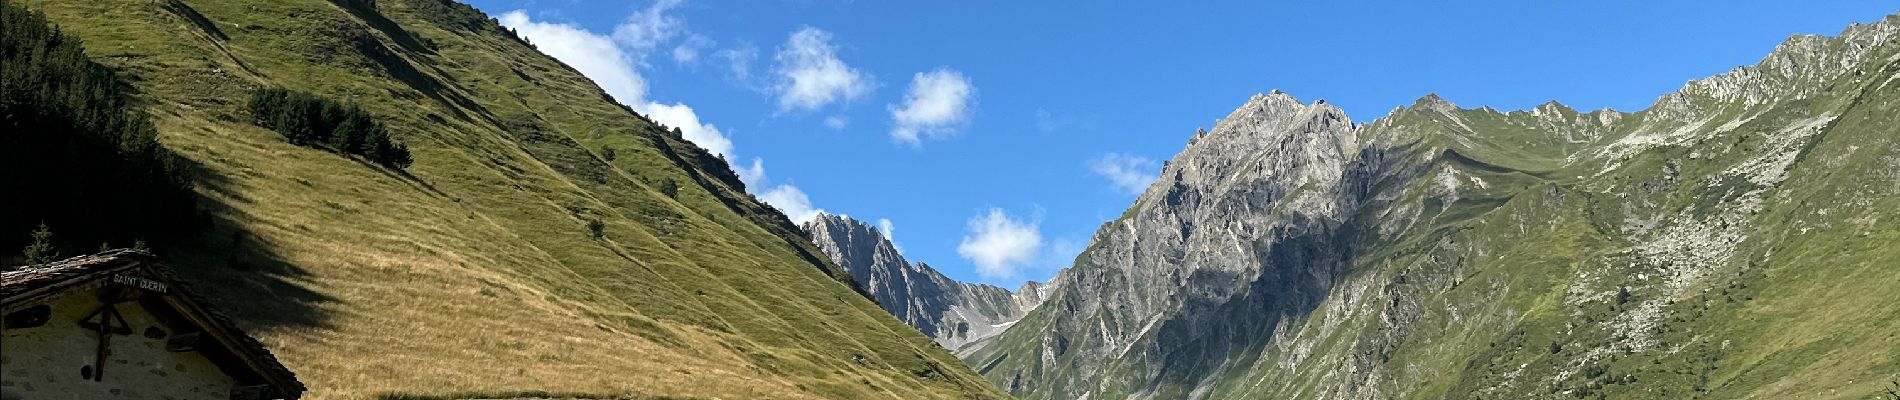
{"type": "Point", "coordinates": [996, 136]}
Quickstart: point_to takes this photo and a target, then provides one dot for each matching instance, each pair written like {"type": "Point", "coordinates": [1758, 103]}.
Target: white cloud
{"type": "Point", "coordinates": [739, 63]}
{"type": "Point", "coordinates": [645, 30]}
{"type": "Point", "coordinates": [1000, 244]}
{"type": "Point", "coordinates": [1126, 173]}
{"type": "Point", "coordinates": [787, 198]}
{"type": "Point", "coordinates": [884, 225]}
{"type": "Point", "coordinates": [937, 102]}
{"type": "Point", "coordinates": [836, 123]}
{"type": "Point", "coordinates": [688, 51]}
{"type": "Point", "coordinates": [793, 202]}
{"type": "Point", "coordinates": [752, 176]}
{"type": "Point", "coordinates": [679, 115]}
{"type": "Point", "coordinates": [612, 63]}
{"type": "Point", "coordinates": [595, 56]}
{"type": "Point", "coordinates": [890, 233]}
{"type": "Point", "coordinates": [1049, 122]}
{"type": "Point", "coordinates": [810, 75]}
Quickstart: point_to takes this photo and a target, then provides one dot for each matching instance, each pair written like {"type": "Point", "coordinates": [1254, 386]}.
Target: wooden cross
{"type": "Point", "coordinates": [108, 314]}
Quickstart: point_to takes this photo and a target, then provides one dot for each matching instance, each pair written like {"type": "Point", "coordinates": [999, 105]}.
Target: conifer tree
{"type": "Point", "coordinates": [75, 152]}
{"type": "Point", "coordinates": [309, 120]}
{"type": "Point", "coordinates": [41, 251]}
{"type": "Point", "coordinates": [350, 134]}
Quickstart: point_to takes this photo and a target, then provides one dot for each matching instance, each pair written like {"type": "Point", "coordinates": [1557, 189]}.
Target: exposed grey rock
{"type": "Point", "coordinates": [1289, 253]}
{"type": "Point", "coordinates": [1233, 213]}
{"type": "Point", "coordinates": [953, 313]}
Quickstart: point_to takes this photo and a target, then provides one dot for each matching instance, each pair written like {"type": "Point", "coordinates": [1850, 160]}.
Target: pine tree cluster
{"type": "Point", "coordinates": [75, 153]}
{"type": "Point", "coordinates": [310, 120]}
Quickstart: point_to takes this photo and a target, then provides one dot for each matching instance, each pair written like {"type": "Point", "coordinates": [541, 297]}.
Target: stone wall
{"type": "Point", "coordinates": [45, 362]}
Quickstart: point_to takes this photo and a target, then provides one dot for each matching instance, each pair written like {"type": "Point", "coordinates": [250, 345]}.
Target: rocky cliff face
{"type": "Point", "coordinates": [955, 314]}
{"type": "Point", "coordinates": [1473, 253]}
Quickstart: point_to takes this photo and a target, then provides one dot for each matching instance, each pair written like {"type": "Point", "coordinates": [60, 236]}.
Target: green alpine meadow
{"type": "Point", "coordinates": [1735, 240]}
{"type": "Point", "coordinates": [506, 199]}
{"type": "Point", "coordinates": [544, 242]}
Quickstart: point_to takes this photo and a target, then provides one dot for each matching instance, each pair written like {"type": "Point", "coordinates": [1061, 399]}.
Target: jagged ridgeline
{"type": "Point", "coordinates": [960, 316]}
{"type": "Point", "coordinates": [513, 257]}
{"type": "Point", "coordinates": [1738, 239]}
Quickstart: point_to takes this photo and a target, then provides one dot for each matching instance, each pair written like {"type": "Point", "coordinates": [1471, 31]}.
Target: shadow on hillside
{"type": "Point", "coordinates": [401, 175]}
{"type": "Point", "coordinates": [1299, 270]}
{"type": "Point", "coordinates": [367, 12]}
{"type": "Point", "coordinates": [1301, 266]}
{"type": "Point", "coordinates": [243, 276]}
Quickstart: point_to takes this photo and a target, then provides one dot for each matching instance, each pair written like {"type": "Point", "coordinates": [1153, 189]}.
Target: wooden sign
{"type": "Point", "coordinates": [139, 282]}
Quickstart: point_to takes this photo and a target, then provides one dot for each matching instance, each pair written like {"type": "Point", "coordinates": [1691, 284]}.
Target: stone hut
{"type": "Point", "coordinates": [115, 325]}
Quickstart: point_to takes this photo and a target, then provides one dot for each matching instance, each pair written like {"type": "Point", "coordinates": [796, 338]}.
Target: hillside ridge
{"type": "Point", "coordinates": [1447, 252]}
{"type": "Point", "coordinates": [545, 239]}
{"type": "Point", "coordinates": [959, 316]}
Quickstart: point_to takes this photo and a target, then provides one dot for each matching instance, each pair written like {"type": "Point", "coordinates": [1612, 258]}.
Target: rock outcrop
{"type": "Point", "coordinates": [953, 313]}
{"type": "Point", "coordinates": [1444, 252]}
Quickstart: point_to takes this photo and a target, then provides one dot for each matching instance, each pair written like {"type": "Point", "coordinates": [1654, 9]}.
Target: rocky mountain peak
{"type": "Point", "coordinates": [1277, 257]}
{"type": "Point", "coordinates": [1030, 286]}
{"type": "Point", "coordinates": [855, 245]}
{"type": "Point", "coordinates": [1270, 134]}
{"type": "Point", "coordinates": [1552, 110]}
{"type": "Point", "coordinates": [1801, 67]}
{"type": "Point", "coordinates": [1560, 114]}
{"type": "Point", "coordinates": [1274, 103]}
{"type": "Point", "coordinates": [1796, 69]}
{"type": "Point", "coordinates": [953, 313]}
{"type": "Point", "coordinates": [1272, 167]}
{"type": "Point", "coordinates": [1431, 101]}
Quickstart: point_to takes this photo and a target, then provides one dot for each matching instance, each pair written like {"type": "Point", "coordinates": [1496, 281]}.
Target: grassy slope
{"type": "Point", "coordinates": [1798, 311]}
{"type": "Point", "coordinates": [474, 270]}
{"type": "Point", "coordinates": [1777, 320]}
{"type": "Point", "coordinates": [1468, 299]}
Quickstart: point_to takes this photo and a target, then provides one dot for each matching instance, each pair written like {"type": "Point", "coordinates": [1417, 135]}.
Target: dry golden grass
{"type": "Point", "coordinates": [403, 312]}
{"type": "Point", "coordinates": [473, 272]}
